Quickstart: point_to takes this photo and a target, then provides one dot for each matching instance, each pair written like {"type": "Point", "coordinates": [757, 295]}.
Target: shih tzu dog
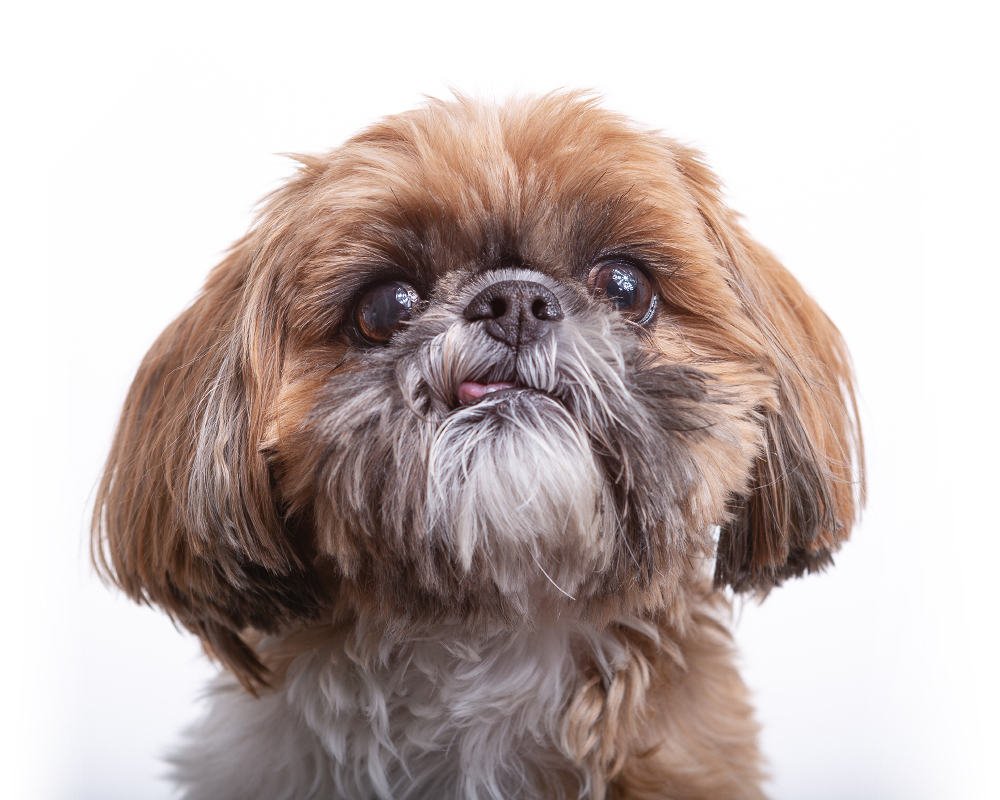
{"type": "Point", "coordinates": [438, 462]}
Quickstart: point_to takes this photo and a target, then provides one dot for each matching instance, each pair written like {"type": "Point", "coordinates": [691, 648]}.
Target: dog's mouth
{"type": "Point", "coordinates": [471, 392]}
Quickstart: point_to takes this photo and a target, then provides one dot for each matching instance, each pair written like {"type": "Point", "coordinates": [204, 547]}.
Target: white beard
{"type": "Point", "coordinates": [433, 719]}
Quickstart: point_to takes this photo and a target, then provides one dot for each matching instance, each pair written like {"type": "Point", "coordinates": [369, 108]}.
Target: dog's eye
{"type": "Point", "coordinates": [627, 288]}
{"type": "Point", "coordinates": [383, 309]}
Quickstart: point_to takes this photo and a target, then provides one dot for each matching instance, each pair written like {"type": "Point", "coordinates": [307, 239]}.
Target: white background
{"type": "Point", "coordinates": [857, 138]}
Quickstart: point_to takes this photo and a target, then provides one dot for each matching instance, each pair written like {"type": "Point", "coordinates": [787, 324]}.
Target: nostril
{"type": "Point", "coordinates": [514, 312]}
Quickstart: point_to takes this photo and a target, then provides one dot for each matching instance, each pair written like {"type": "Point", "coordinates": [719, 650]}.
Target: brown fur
{"type": "Point", "coordinates": [208, 504]}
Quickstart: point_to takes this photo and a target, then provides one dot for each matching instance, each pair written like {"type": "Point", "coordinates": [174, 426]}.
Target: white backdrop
{"type": "Point", "coordinates": [858, 140]}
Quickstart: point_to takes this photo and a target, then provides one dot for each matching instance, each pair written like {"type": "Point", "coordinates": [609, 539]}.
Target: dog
{"type": "Point", "coordinates": [439, 462]}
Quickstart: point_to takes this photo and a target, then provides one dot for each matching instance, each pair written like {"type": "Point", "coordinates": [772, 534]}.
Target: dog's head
{"type": "Point", "coordinates": [478, 362]}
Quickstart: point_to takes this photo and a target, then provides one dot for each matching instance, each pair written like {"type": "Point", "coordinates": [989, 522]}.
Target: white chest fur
{"type": "Point", "coordinates": [432, 719]}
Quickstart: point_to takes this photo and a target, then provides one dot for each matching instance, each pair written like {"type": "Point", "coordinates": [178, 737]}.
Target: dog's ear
{"type": "Point", "coordinates": [808, 482]}
{"type": "Point", "coordinates": [185, 516]}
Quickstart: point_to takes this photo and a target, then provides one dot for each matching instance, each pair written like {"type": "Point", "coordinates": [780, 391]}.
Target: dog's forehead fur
{"type": "Point", "coordinates": [555, 185]}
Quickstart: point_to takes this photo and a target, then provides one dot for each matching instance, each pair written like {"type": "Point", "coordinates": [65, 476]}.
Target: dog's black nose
{"type": "Point", "coordinates": [515, 312]}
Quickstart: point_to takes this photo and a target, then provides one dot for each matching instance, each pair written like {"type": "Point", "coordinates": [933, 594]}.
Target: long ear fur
{"type": "Point", "coordinates": [184, 516]}
{"type": "Point", "coordinates": [808, 483]}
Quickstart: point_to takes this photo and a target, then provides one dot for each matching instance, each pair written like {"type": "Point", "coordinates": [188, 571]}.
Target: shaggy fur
{"type": "Point", "coordinates": [465, 556]}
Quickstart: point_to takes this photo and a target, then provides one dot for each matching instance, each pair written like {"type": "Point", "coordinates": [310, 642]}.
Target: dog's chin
{"type": "Point", "coordinates": [512, 476]}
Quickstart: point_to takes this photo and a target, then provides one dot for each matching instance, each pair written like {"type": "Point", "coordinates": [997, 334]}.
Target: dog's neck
{"type": "Point", "coordinates": [501, 716]}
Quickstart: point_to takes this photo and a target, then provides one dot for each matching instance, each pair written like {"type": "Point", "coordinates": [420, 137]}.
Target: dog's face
{"type": "Point", "coordinates": [476, 364]}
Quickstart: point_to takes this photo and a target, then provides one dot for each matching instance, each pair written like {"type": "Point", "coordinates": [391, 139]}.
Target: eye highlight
{"type": "Point", "coordinates": [627, 288]}
{"type": "Point", "coordinates": [383, 309]}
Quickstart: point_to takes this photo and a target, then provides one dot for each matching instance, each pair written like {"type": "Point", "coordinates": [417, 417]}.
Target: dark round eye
{"type": "Point", "coordinates": [627, 288]}
{"type": "Point", "coordinates": [383, 309]}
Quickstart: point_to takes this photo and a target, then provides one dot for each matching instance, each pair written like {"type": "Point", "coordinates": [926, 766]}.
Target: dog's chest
{"type": "Point", "coordinates": [430, 720]}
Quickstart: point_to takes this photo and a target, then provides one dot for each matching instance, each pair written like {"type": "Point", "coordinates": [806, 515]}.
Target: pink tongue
{"type": "Point", "coordinates": [469, 392]}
